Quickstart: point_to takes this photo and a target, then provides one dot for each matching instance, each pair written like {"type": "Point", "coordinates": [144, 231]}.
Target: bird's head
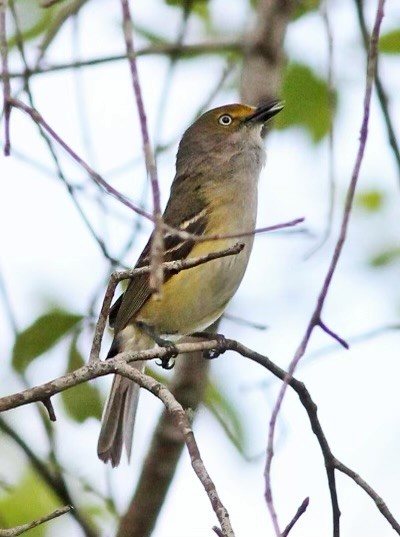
{"type": "Point", "coordinates": [226, 130]}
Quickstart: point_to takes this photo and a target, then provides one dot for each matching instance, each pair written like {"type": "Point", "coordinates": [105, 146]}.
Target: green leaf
{"type": "Point", "coordinates": [226, 414]}
{"type": "Point", "coordinates": [200, 7]}
{"type": "Point", "coordinates": [389, 43]}
{"type": "Point", "coordinates": [82, 401]}
{"type": "Point", "coordinates": [32, 20]}
{"type": "Point", "coordinates": [41, 336]}
{"type": "Point", "coordinates": [306, 99]}
{"type": "Point", "coordinates": [303, 7]}
{"type": "Point", "coordinates": [386, 257]}
{"type": "Point", "coordinates": [370, 200]}
{"type": "Point", "coordinates": [28, 500]}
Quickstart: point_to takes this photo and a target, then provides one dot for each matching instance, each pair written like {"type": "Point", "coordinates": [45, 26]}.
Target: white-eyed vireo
{"type": "Point", "coordinates": [214, 192]}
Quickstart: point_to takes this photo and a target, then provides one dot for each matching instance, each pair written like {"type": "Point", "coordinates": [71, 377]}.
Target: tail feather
{"type": "Point", "coordinates": [119, 419]}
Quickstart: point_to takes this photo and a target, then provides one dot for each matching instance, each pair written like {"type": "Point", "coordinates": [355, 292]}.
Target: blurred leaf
{"type": "Point", "coordinates": [82, 401]}
{"type": "Point", "coordinates": [390, 43]}
{"type": "Point", "coordinates": [155, 39]}
{"type": "Point", "coordinates": [29, 499]}
{"type": "Point", "coordinates": [370, 200]}
{"type": "Point", "coordinates": [226, 414]}
{"type": "Point", "coordinates": [62, 12]}
{"type": "Point", "coordinates": [41, 336]}
{"type": "Point", "coordinates": [303, 7]}
{"type": "Point", "coordinates": [386, 257]}
{"type": "Point", "coordinates": [32, 21]}
{"type": "Point", "coordinates": [306, 102]}
{"type": "Point", "coordinates": [199, 7]}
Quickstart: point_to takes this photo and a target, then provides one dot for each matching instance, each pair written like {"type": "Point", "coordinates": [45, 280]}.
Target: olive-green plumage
{"type": "Point", "coordinates": [214, 192]}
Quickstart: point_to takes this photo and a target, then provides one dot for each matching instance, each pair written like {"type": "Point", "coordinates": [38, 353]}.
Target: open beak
{"type": "Point", "coordinates": [264, 112]}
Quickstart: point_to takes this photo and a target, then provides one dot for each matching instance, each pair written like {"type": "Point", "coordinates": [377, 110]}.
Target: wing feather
{"type": "Point", "coordinates": [195, 222]}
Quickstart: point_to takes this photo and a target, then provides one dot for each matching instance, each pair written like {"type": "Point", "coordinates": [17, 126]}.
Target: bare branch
{"type": "Point", "coordinates": [316, 316]}
{"type": "Point", "coordinates": [49, 407]}
{"type": "Point", "coordinates": [157, 471]}
{"type": "Point", "coordinates": [49, 3]}
{"type": "Point", "coordinates": [300, 511]}
{"type": "Point", "coordinates": [113, 365]}
{"type": "Point", "coordinates": [51, 476]}
{"type": "Point", "coordinates": [380, 90]}
{"type": "Point", "coordinates": [333, 334]}
{"type": "Point", "coordinates": [205, 238]}
{"type": "Point", "coordinates": [18, 530]}
{"type": "Point", "coordinates": [5, 77]}
{"type": "Point", "coordinates": [183, 423]}
{"type": "Point", "coordinates": [171, 266]}
{"type": "Point", "coordinates": [331, 138]}
{"type": "Point", "coordinates": [381, 505]}
{"type": "Point", "coordinates": [157, 243]}
{"type": "Point", "coordinates": [37, 118]}
{"type": "Point", "coordinates": [159, 49]}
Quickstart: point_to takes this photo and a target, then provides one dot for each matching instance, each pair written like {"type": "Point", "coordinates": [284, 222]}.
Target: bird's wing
{"type": "Point", "coordinates": [175, 248]}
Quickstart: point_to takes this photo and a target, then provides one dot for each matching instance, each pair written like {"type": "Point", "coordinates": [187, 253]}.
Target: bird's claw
{"type": "Point", "coordinates": [171, 352]}
{"type": "Point", "coordinates": [220, 349]}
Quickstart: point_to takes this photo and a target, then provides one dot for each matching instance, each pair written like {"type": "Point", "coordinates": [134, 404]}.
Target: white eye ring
{"type": "Point", "coordinates": [225, 120]}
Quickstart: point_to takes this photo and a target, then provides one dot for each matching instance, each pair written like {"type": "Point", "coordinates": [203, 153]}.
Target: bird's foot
{"type": "Point", "coordinates": [213, 353]}
{"type": "Point", "coordinates": [171, 350]}
{"type": "Point", "coordinates": [167, 361]}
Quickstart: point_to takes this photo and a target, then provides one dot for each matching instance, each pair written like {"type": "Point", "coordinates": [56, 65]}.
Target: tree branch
{"type": "Point", "coordinates": [5, 77]}
{"type": "Point", "coordinates": [302, 509]}
{"type": "Point", "coordinates": [156, 276]}
{"type": "Point", "coordinates": [50, 477]}
{"type": "Point", "coordinates": [18, 530]}
{"type": "Point", "coordinates": [171, 266]}
{"type": "Point", "coordinates": [187, 386]}
{"type": "Point", "coordinates": [380, 90]}
{"type": "Point", "coordinates": [316, 316]}
{"type": "Point", "coordinates": [113, 365]}
{"type": "Point", "coordinates": [163, 49]}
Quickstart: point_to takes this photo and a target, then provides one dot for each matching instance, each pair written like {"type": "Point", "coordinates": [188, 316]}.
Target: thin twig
{"type": "Point", "coordinates": [51, 476]}
{"type": "Point", "coordinates": [116, 277]}
{"type": "Point", "coordinates": [380, 90]}
{"type": "Point", "coordinates": [381, 505]}
{"type": "Point", "coordinates": [163, 49]}
{"type": "Point", "coordinates": [183, 423]}
{"type": "Point", "coordinates": [49, 3]}
{"type": "Point", "coordinates": [205, 238]}
{"type": "Point", "coordinates": [100, 368]}
{"type": "Point", "coordinates": [157, 243]}
{"type": "Point", "coordinates": [333, 334]}
{"type": "Point", "coordinates": [316, 316]}
{"type": "Point", "coordinates": [18, 530]}
{"type": "Point", "coordinates": [48, 142]}
{"type": "Point", "coordinates": [37, 118]}
{"type": "Point", "coordinates": [302, 509]}
{"type": "Point", "coordinates": [331, 138]}
{"type": "Point", "coordinates": [5, 77]}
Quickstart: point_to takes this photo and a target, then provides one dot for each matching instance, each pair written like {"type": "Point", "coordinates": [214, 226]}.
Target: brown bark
{"type": "Point", "coordinates": [187, 386]}
{"type": "Point", "coordinates": [264, 55]}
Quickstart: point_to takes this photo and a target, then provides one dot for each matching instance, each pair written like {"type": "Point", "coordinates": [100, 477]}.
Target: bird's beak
{"type": "Point", "coordinates": [264, 112]}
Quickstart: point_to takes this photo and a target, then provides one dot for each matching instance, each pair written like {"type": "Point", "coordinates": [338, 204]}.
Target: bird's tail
{"type": "Point", "coordinates": [119, 418]}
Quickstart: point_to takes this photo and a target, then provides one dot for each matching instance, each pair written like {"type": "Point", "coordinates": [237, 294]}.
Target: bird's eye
{"type": "Point", "coordinates": [225, 120]}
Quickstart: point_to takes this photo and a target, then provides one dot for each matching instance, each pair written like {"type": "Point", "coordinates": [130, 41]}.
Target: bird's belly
{"type": "Point", "coordinates": [193, 299]}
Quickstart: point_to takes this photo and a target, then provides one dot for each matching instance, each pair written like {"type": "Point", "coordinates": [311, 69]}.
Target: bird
{"type": "Point", "coordinates": [214, 192]}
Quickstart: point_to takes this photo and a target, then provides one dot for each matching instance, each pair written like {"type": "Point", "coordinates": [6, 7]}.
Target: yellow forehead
{"type": "Point", "coordinates": [237, 111]}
